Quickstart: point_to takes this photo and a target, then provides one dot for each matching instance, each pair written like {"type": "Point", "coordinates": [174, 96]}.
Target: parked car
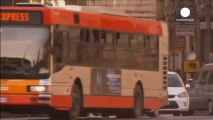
{"type": "Point", "coordinates": [178, 99]}
{"type": "Point", "coordinates": [201, 90]}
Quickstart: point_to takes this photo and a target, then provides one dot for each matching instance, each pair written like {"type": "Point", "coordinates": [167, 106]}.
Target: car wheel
{"type": "Point", "coordinates": [210, 107]}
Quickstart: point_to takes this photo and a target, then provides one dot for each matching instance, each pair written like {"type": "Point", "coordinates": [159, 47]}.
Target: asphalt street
{"type": "Point", "coordinates": [197, 116]}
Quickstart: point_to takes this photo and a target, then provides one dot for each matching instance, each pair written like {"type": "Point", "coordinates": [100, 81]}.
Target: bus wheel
{"type": "Point", "coordinates": [76, 102]}
{"type": "Point", "coordinates": [138, 105]}
{"type": "Point", "coordinates": [210, 108]}
{"type": "Point", "coordinates": [136, 111]}
{"type": "Point", "coordinates": [176, 114]}
{"type": "Point", "coordinates": [59, 115]}
{"type": "Point", "coordinates": [188, 113]}
{"type": "Point", "coordinates": [153, 113]}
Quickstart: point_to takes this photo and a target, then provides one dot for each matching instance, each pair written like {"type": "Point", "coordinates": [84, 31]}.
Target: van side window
{"type": "Point", "coordinates": [203, 78]}
{"type": "Point", "coordinates": [210, 79]}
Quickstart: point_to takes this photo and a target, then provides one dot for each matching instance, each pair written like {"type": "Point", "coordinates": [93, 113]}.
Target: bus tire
{"type": "Point", "coordinates": [188, 113]}
{"type": "Point", "coordinates": [136, 111]}
{"type": "Point", "coordinates": [76, 102]}
{"type": "Point", "coordinates": [153, 113]}
{"type": "Point", "coordinates": [59, 115]}
{"type": "Point", "coordinates": [176, 114]}
{"type": "Point", "coordinates": [138, 98]}
{"type": "Point", "coordinates": [210, 107]}
{"type": "Point", "coordinates": [74, 112]}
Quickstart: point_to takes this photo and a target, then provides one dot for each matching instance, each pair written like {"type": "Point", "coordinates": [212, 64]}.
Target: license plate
{"type": "Point", "coordinates": [3, 99]}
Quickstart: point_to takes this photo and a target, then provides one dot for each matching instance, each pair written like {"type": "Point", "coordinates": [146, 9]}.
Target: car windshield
{"type": "Point", "coordinates": [174, 81]}
{"type": "Point", "coordinates": [24, 52]}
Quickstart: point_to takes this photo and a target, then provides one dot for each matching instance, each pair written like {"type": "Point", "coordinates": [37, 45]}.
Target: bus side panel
{"type": "Point", "coordinates": [63, 81]}
{"type": "Point", "coordinates": [108, 102]}
{"type": "Point", "coordinates": [61, 102]}
{"type": "Point", "coordinates": [154, 103]}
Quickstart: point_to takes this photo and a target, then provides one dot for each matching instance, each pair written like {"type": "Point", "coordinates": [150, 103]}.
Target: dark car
{"type": "Point", "coordinates": [201, 90]}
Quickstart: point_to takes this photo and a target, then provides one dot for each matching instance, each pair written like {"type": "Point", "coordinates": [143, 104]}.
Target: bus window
{"type": "Point", "coordinates": [76, 40]}
{"type": "Point", "coordinates": [123, 41]}
{"type": "Point", "coordinates": [152, 52]}
{"type": "Point", "coordinates": [116, 38]}
{"type": "Point", "coordinates": [58, 36]}
{"type": "Point", "coordinates": [137, 51]}
{"type": "Point", "coordinates": [137, 41]}
{"type": "Point", "coordinates": [103, 37]}
{"type": "Point", "coordinates": [96, 36]}
{"type": "Point", "coordinates": [93, 49]}
{"type": "Point", "coordinates": [80, 46]}
{"type": "Point", "coordinates": [123, 51]}
{"type": "Point", "coordinates": [109, 38]}
{"type": "Point", "coordinates": [108, 49]}
{"type": "Point", "coordinates": [84, 35]}
{"type": "Point", "coordinates": [146, 51]}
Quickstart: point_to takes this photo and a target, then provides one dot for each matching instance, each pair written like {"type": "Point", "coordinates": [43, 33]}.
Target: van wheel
{"type": "Point", "coordinates": [210, 107]}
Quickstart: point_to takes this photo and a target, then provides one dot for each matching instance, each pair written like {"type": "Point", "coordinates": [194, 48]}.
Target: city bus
{"type": "Point", "coordinates": [67, 62]}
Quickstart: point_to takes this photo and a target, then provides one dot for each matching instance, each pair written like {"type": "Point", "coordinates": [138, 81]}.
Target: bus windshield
{"type": "Point", "coordinates": [24, 52]}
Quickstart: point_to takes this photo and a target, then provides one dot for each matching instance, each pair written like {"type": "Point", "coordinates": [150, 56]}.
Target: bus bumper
{"type": "Point", "coordinates": [25, 99]}
{"type": "Point", "coordinates": [24, 104]}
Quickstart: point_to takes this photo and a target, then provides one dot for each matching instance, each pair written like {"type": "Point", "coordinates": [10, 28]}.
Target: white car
{"type": "Point", "coordinates": [178, 98]}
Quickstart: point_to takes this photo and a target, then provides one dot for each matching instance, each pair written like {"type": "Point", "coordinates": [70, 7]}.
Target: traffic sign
{"type": "Point", "coordinates": [191, 66]}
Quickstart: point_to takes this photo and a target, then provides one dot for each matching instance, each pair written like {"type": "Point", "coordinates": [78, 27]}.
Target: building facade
{"type": "Point", "coordinates": [190, 37]}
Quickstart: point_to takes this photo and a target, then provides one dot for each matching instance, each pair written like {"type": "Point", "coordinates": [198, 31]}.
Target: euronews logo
{"type": "Point", "coordinates": [185, 13]}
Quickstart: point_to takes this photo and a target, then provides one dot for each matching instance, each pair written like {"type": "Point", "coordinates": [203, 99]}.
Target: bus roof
{"type": "Point", "coordinates": [95, 20]}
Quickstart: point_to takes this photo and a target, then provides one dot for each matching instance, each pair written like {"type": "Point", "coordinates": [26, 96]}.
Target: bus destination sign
{"type": "Point", "coordinates": [10, 17]}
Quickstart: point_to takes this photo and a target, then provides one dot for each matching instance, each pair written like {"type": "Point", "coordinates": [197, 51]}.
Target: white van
{"type": "Point", "coordinates": [201, 90]}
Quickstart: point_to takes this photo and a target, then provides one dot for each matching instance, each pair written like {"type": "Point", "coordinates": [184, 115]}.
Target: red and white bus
{"type": "Point", "coordinates": [72, 62]}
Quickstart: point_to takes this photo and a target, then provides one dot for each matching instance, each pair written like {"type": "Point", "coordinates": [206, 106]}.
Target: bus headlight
{"type": "Point", "coordinates": [182, 95]}
{"type": "Point", "coordinates": [38, 88]}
